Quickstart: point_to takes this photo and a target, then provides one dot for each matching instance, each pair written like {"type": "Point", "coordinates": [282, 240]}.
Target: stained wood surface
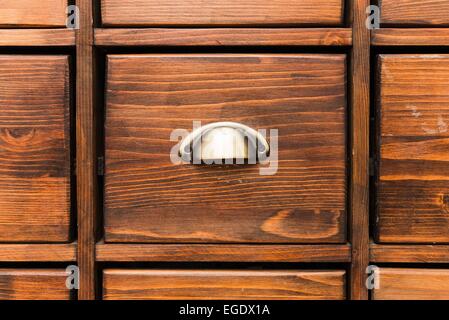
{"type": "Point", "coordinates": [359, 144]}
{"type": "Point", "coordinates": [223, 285]}
{"type": "Point", "coordinates": [413, 186]}
{"type": "Point", "coordinates": [415, 12]}
{"type": "Point", "coordinates": [412, 284]}
{"type": "Point", "coordinates": [86, 158]}
{"type": "Point", "coordinates": [149, 199]}
{"type": "Point", "coordinates": [38, 252]}
{"type": "Point", "coordinates": [32, 13]}
{"type": "Point", "coordinates": [435, 37]}
{"type": "Point", "coordinates": [219, 37]}
{"type": "Point", "coordinates": [33, 284]}
{"type": "Point", "coordinates": [34, 148]}
{"type": "Point", "coordinates": [223, 13]}
{"type": "Point", "coordinates": [400, 253]}
{"type": "Point", "coordinates": [222, 253]}
{"type": "Point", "coordinates": [36, 37]}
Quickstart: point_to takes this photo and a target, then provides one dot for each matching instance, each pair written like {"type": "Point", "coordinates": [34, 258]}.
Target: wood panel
{"type": "Point", "coordinates": [412, 284]}
{"type": "Point", "coordinates": [430, 37]}
{"type": "Point", "coordinates": [33, 284]}
{"type": "Point", "coordinates": [222, 253]}
{"type": "Point", "coordinates": [359, 144]}
{"type": "Point", "coordinates": [223, 284]}
{"type": "Point", "coordinates": [413, 187]}
{"type": "Point", "coordinates": [221, 37]}
{"type": "Point", "coordinates": [150, 199]}
{"type": "Point", "coordinates": [221, 13]}
{"type": "Point", "coordinates": [415, 12]}
{"type": "Point", "coordinates": [401, 253]}
{"type": "Point", "coordinates": [32, 13]}
{"type": "Point", "coordinates": [38, 252]}
{"type": "Point", "coordinates": [34, 148]}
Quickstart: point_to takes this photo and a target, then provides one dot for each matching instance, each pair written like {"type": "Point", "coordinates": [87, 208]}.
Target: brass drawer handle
{"type": "Point", "coordinates": [224, 141]}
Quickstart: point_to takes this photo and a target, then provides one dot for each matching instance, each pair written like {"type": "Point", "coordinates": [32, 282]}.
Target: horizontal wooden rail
{"type": "Point", "coordinates": [37, 37]}
{"type": "Point", "coordinates": [38, 252]}
{"type": "Point", "coordinates": [410, 37]}
{"type": "Point", "coordinates": [222, 253]}
{"type": "Point", "coordinates": [409, 253]}
{"type": "Point", "coordinates": [224, 37]}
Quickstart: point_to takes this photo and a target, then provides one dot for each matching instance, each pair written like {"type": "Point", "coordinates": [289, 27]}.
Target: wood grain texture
{"type": "Point", "coordinates": [32, 13]}
{"type": "Point", "coordinates": [38, 252]}
{"type": "Point", "coordinates": [412, 284]}
{"type": "Point", "coordinates": [33, 284]}
{"type": "Point", "coordinates": [86, 157]}
{"type": "Point", "coordinates": [409, 253]}
{"type": "Point", "coordinates": [36, 37]}
{"type": "Point", "coordinates": [223, 37]}
{"type": "Point", "coordinates": [150, 199]}
{"type": "Point", "coordinates": [222, 253]}
{"type": "Point", "coordinates": [414, 12]}
{"type": "Point", "coordinates": [435, 37]}
{"type": "Point", "coordinates": [359, 181]}
{"type": "Point", "coordinates": [221, 13]}
{"type": "Point", "coordinates": [223, 285]}
{"type": "Point", "coordinates": [413, 186]}
{"type": "Point", "coordinates": [34, 148]}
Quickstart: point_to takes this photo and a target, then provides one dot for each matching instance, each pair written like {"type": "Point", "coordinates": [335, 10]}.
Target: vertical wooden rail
{"type": "Point", "coordinates": [85, 151]}
{"type": "Point", "coordinates": [359, 191]}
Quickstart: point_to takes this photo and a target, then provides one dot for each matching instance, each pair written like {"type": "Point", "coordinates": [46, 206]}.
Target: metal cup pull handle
{"type": "Point", "coordinates": [224, 141]}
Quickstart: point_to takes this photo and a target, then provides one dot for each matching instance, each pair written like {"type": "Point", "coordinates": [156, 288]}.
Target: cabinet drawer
{"type": "Point", "coordinates": [34, 148]}
{"type": "Point", "coordinates": [412, 284]}
{"type": "Point", "coordinates": [221, 13]}
{"type": "Point", "coordinates": [32, 13]}
{"type": "Point", "coordinates": [413, 186]}
{"type": "Point", "coordinates": [37, 284]}
{"type": "Point", "coordinates": [150, 199]}
{"type": "Point", "coordinates": [223, 285]}
{"type": "Point", "coordinates": [415, 12]}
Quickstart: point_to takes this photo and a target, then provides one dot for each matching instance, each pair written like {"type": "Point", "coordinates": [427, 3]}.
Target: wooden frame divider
{"type": "Point", "coordinates": [86, 152]}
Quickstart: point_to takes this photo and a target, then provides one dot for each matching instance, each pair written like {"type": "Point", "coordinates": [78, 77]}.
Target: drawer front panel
{"type": "Point", "coordinates": [32, 13]}
{"type": "Point", "coordinates": [412, 284]}
{"type": "Point", "coordinates": [223, 285]}
{"type": "Point", "coordinates": [37, 284]}
{"type": "Point", "coordinates": [413, 186]}
{"type": "Point", "coordinates": [34, 149]}
{"type": "Point", "coordinates": [221, 13]}
{"type": "Point", "coordinates": [149, 199]}
{"type": "Point", "coordinates": [415, 12]}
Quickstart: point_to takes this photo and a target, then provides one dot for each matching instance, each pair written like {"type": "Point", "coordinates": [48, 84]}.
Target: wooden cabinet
{"type": "Point", "coordinates": [33, 284]}
{"type": "Point", "coordinates": [31, 13]}
{"type": "Point", "coordinates": [34, 148]}
{"type": "Point", "coordinates": [412, 284]}
{"type": "Point", "coordinates": [414, 13]}
{"type": "Point", "coordinates": [223, 284]}
{"type": "Point", "coordinates": [413, 188]}
{"type": "Point", "coordinates": [222, 13]}
{"type": "Point", "coordinates": [150, 199]}
{"type": "Point", "coordinates": [357, 136]}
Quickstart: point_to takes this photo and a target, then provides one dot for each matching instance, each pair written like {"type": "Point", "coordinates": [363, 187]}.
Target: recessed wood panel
{"type": "Point", "coordinates": [221, 13]}
{"type": "Point", "coordinates": [412, 284]}
{"type": "Point", "coordinates": [32, 13]}
{"type": "Point", "coordinates": [33, 284]}
{"type": "Point", "coordinates": [223, 285]}
{"type": "Point", "coordinates": [150, 199]}
{"type": "Point", "coordinates": [415, 12]}
{"type": "Point", "coordinates": [34, 148]}
{"type": "Point", "coordinates": [413, 195]}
